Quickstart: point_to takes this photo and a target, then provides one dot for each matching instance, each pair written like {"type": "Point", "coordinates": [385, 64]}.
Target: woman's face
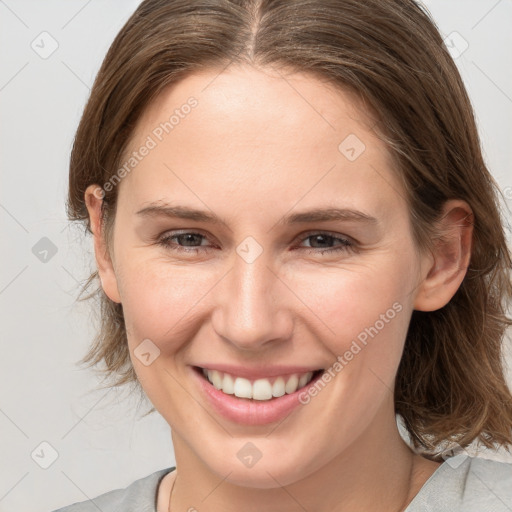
{"type": "Point", "coordinates": [302, 257]}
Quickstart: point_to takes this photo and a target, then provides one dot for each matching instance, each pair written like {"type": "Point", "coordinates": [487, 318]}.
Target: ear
{"type": "Point", "coordinates": [445, 268]}
{"type": "Point", "coordinates": [93, 201]}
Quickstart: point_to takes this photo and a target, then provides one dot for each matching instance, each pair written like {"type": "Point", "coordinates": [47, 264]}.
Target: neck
{"type": "Point", "coordinates": [377, 472]}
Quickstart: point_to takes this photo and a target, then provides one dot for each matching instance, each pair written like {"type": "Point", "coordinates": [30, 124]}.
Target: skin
{"type": "Point", "coordinates": [259, 145]}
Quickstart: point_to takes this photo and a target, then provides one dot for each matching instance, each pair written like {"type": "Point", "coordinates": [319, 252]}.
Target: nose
{"type": "Point", "coordinates": [252, 307]}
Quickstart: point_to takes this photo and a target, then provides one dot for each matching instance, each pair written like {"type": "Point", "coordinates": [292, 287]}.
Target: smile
{"type": "Point", "coordinates": [258, 389]}
{"type": "Point", "coordinates": [256, 396]}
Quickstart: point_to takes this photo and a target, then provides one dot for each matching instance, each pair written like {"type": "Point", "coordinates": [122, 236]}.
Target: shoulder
{"type": "Point", "coordinates": [488, 485]}
{"type": "Point", "coordinates": [139, 496]}
{"type": "Point", "coordinates": [469, 484]}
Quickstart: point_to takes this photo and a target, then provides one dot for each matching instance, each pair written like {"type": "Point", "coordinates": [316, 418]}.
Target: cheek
{"type": "Point", "coordinates": [158, 297]}
{"type": "Point", "coordinates": [349, 300]}
{"type": "Point", "coordinates": [364, 313]}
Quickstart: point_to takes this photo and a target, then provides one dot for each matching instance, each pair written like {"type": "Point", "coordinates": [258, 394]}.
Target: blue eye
{"type": "Point", "coordinates": [191, 242]}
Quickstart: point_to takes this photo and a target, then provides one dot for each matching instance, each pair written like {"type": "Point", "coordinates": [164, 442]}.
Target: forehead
{"type": "Point", "coordinates": [269, 98]}
{"type": "Point", "coordinates": [260, 131]}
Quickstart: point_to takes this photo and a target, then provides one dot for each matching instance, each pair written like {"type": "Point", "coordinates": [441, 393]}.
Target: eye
{"type": "Point", "coordinates": [326, 239]}
{"type": "Point", "coordinates": [192, 242]}
{"type": "Point", "coordinates": [187, 238]}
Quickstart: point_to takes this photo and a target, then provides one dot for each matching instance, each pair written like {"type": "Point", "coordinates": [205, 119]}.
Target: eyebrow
{"type": "Point", "coordinates": [314, 215]}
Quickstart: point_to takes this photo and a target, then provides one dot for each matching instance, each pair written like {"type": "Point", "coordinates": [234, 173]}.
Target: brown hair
{"type": "Point", "coordinates": [450, 384]}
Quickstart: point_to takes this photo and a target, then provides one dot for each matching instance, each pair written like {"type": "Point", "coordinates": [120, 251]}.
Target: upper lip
{"type": "Point", "coordinates": [256, 372]}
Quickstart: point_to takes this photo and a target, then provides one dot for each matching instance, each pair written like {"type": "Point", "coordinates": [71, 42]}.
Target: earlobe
{"type": "Point", "coordinates": [103, 260]}
{"type": "Point", "coordinates": [450, 258]}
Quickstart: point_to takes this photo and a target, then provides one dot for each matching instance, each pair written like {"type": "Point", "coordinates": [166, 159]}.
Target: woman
{"type": "Point", "coordinates": [224, 140]}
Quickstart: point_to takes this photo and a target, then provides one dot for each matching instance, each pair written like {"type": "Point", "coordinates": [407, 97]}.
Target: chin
{"type": "Point", "coordinates": [264, 474]}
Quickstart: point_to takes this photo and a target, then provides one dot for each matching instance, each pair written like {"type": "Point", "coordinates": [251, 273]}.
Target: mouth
{"type": "Point", "coordinates": [260, 389]}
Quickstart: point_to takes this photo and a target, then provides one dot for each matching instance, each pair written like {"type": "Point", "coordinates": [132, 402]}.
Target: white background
{"type": "Point", "coordinates": [101, 442]}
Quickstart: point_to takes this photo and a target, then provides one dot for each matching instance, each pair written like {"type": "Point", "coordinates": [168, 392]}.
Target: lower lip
{"type": "Point", "coordinates": [247, 411]}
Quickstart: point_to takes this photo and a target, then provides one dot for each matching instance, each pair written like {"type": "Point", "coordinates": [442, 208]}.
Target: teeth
{"type": "Point", "coordinates": [303, 381]}
{"type": "Point", "coordinates": [260, 389]}
{"type": "Point", "coordinates": [243, 388]}
{"type": "Point", "coordinates": [278, 388]}
{"type": "Point", "coordinates": [292, 384]}
{"type": "Point", "coordinates": [216, 379]}
{"type": "Point", "coordinates": [228, 384]}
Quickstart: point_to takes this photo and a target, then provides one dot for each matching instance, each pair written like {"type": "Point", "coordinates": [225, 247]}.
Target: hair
{"type": "Point", "coordinates": [450, 384]}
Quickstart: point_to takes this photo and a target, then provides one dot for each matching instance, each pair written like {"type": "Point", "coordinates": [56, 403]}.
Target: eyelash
{"type": "Point", "coordinates": [345, 246]}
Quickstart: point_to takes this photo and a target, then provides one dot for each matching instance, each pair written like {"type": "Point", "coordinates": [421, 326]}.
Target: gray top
{"type": "Point", "coordinates": [461, 483]}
